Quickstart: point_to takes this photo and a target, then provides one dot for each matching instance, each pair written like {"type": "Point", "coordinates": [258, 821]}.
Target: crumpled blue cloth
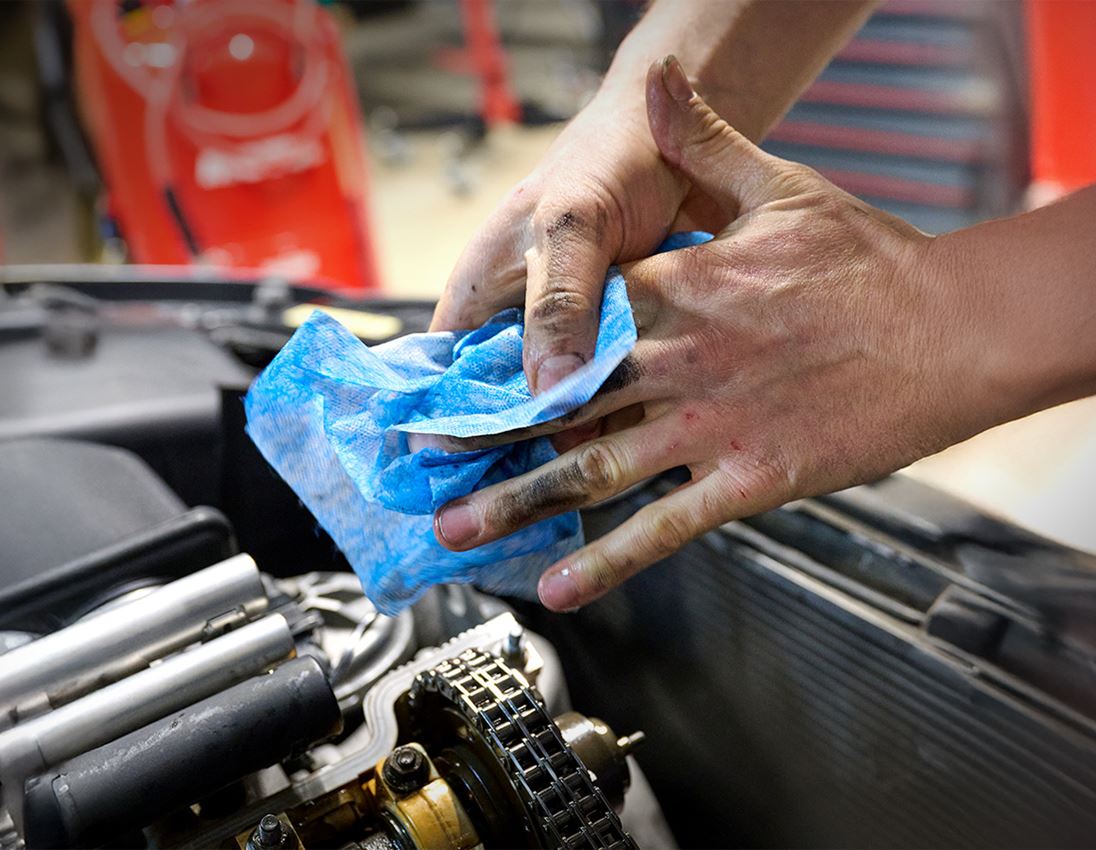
{"type": "Point", "coordinates": [332, 415]}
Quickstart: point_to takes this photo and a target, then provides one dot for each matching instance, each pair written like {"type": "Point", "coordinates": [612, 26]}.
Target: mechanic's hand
{"type": "Point", "coordinates": [810, 347]}
{"type": "Point", "coordinates": [602, 194]}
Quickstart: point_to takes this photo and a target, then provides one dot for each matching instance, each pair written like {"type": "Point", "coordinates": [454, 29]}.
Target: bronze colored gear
{"type": "Point", "coordinates": [501, 711]}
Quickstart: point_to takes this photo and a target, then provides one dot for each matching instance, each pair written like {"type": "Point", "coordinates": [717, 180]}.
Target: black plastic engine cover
{"type": "Point", "coordinates": [159, 351]}
{"type": "Point", "coordinates": [82, 522]}
{"type": "Point", "coordinates": [154, 391]}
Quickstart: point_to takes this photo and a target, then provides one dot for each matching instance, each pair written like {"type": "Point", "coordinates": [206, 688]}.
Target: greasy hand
{"type": "Point", "coordinates": [602, 194]}
{"type": "Point", "coordinates": [810, 347]}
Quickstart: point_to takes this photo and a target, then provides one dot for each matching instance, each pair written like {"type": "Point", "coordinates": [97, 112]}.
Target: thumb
{"type": "Point", "coordinates": [719, 160]}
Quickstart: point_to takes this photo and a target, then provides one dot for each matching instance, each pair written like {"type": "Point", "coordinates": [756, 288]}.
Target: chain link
{"type": "Point", "coordinates": [559, 794]}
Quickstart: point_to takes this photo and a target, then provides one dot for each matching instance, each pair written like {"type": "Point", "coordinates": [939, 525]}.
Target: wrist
{"type": "Point", "coordinates": [973, 371]}
{"type": "Point", "coordinates": [1021, 323]}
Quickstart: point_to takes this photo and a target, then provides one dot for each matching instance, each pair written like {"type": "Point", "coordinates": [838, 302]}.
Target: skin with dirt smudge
{"type": "Point", "coordinates": [817, 343]}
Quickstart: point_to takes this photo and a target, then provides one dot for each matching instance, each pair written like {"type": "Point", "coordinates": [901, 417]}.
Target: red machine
{"type": "Point", "coordinates": [228, 134]}
{"type": "Point", "coordinates": [1063, 89]}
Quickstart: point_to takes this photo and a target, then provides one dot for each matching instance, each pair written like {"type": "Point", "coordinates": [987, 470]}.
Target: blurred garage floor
{"type": "Point", "coordinates": [427, 202]}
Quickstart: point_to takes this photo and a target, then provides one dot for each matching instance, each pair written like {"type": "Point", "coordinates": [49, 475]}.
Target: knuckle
{"type": "Point", "coordinates": [555, 222]}
{"type": "Point", "coordinates": [582, 217]}
{"type": "Point", "coordinates": [765, 478]}
{"type": "Point", "coordinates": [695, 266]}
{"type": "Point", "coordinates": [782, 178]}
{"type": "Point", "coordinates": [714, 510]}
{"type": "Point", "coordinates": [688, 272]}
{"type": "Point", "coordinates": [667, 529]}
{"type": "Point", "coordinates": [709, 133]}
{"type": "Point", "coordinates": [799, 172]}
{"type": "Point", "coordinates": [600, 466]}
{"type": "Point", "coordinates": [797, 177]}
{"type": "Point", "coordinates": [561, 303]}
{"type": "Point", "coordinates": [603, 574]}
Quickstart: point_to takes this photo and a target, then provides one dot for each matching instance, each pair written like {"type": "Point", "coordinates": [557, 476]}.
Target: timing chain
{"type": "Point", "coordinates": [556, 788]}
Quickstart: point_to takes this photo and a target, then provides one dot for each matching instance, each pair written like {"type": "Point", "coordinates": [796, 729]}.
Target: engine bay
{"type": "Point", "coordinates": [186, 661]}
{"type": "Point", "coordinates": [226, 709]}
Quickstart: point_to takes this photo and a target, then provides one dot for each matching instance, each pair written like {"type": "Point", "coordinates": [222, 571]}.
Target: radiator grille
{"type": "Point", "coordinates": [783, 712]}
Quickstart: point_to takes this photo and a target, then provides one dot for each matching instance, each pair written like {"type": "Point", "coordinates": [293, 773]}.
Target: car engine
{"type": "Point", "coordinates": [227, 709]}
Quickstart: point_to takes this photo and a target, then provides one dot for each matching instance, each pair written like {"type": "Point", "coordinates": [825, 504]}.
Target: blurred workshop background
{"type": "Point", "coordinates": [362, 143]}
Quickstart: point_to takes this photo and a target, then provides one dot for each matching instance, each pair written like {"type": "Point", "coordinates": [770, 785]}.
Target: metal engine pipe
{"type": "Point", "coordinates": [104, 715]}
{"type": "Point", "coordinates": [95, 797]}
{"type": "Point", "coordinates": [110, 645]}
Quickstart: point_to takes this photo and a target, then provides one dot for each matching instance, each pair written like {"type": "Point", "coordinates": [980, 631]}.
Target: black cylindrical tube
{"type": "Point", "coordinates": [168, 764]}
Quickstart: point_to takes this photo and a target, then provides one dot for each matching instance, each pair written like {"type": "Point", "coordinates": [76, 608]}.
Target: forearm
{"type": "Point", "coordinates": [751, 58]}
{"type": "Point", "coordinates": [1031, 281]}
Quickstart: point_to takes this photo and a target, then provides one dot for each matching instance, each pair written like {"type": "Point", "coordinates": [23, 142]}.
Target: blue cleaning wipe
{"type": "Point", "coordinates": [332, 415]}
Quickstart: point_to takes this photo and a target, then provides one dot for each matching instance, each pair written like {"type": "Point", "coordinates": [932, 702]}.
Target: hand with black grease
{"type": "Point", "coordinates": [815, 344]}
{"type": "Point", "coordinates": [603, 194]}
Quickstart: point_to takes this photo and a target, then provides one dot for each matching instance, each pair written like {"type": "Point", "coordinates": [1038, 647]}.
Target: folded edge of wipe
{"type": "Point", "coordinates": [331, 415]}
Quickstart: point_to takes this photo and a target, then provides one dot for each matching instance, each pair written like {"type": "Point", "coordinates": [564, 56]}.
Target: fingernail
{"type": "Point", "coordinates": [673, 77]}
{"type": "Point", "coordinates": [458, 524]}
{"type": "Point", "coordinates": [558, 591]}
{"type": "Point", "coordinates": [555, 369]}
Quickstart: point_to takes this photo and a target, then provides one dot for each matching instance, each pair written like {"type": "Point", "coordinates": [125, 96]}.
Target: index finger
{"type": "Point", "coordinates": [566, 274]}
{"type": "Point", "coordinates": [581, 477]}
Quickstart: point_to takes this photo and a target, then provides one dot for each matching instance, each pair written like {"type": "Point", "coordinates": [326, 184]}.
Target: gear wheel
{"type": "Point", "coordinates": [503, 737]}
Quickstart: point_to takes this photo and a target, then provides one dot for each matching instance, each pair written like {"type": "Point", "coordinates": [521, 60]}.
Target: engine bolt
{"type": "Point", "coordinates": [406, 770]}
{"type": "Point", "coordinates": [514, 651]}
{"type": "Point", "coordinates": [271, 832]}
